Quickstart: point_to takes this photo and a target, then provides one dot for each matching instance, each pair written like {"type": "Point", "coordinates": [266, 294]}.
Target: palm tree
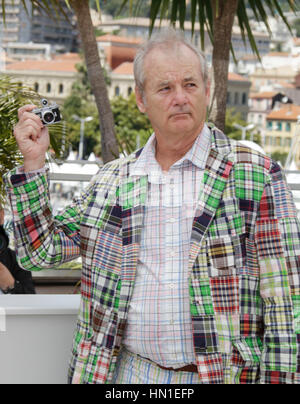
{"type": "Point", "coordinates": [217, 16]}
{"type": "Point", "coordinates": [81, 9]}
{"type": "Point", "coordinates": [109, 145]}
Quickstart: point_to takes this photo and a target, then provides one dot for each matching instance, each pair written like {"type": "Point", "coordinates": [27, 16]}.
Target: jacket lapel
{"type": "Point", "coordinates": [132, 195]}
{"type": "Point", "coordinates": [215, 178]}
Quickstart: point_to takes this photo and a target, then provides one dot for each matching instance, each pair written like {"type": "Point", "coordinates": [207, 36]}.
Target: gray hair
{"type": "Point", "coordinates": [165, 37]}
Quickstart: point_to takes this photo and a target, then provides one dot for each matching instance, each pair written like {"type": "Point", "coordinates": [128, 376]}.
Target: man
{"type": "Point", "coordinates": [13, 279]}
{"type": "Point", "coordinates": [190, 247]}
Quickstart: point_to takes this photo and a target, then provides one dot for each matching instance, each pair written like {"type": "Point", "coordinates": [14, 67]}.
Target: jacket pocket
{"type": "Point", "coordinates": [92, 355]}
{"type": "Point", "coordinates": [226, 243]}
{"type": "Point", "coordinates": [245, 361]}
{"type": "Point", "coordinates": [104, 327]}
{"type": "Point", "coordinates": [249, 349]}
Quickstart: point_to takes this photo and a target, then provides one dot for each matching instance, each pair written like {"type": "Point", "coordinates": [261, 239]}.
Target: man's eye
{"type": "Point", "coordinates": [190, 85]}
{"type": "Point", "coordinates": [164, 89]}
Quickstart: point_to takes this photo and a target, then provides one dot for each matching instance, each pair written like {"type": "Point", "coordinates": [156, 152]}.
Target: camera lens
{"type": "Point", "coordinates": [48, 117]}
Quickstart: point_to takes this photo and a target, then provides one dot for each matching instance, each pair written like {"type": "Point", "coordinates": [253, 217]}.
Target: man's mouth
{"type": "Point", "coordinates": [180, 115]}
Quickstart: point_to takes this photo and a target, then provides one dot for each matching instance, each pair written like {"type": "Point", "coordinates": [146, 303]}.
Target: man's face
{"type": "Point", "coordinates": [175, 98]}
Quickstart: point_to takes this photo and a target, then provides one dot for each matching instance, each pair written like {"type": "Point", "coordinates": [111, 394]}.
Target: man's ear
{"type": "Point", "coordinates": [140, 100]}
{"type": "Point", "coordinates": [207, 93]}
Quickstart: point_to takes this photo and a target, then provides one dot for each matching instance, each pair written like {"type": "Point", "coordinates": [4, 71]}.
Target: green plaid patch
{"type": "Point", "coordinates": [296, 306]}
{"type": "Point", "coordinates": [250, 181]}
{"type": "Point", "coordinates": [201, 300]}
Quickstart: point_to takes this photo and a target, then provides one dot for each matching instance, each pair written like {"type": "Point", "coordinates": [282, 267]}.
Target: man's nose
{"type": "Point", "coordinates": [180, 96]}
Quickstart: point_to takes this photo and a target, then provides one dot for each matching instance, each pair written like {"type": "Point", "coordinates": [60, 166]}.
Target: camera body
{"type": "Point", "coordinates": [49, 114]}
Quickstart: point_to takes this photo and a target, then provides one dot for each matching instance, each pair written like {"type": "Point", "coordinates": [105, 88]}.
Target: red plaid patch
{"type": "Point", "coordinates": [225, 294]}
{"type": "Point", "coordinates": [210, 368]}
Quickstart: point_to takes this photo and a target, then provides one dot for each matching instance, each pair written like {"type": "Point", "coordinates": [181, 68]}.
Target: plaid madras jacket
{"type": "Point", "coordinates": [244, 264]}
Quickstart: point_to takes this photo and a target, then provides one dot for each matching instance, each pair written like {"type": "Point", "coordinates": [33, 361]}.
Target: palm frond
{"type": "Point", "coordinates": [12, 96]}
{"type": "Point", "coordinates": [203, 11]}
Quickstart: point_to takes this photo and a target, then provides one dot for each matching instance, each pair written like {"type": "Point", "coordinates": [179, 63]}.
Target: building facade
{"type": "Point", "coordinates": [52, 79]}
{"type": "Point", "coordinates": [122, 81]}
{"type": "Point", "coordinates": [238, 93]}
{"type": "Point", "coordinates": [117, 49]}
{"type": "Point", "coordinates": [281, 129]}
{"type": "Point", "coordinates": [260, 105]}
{"type": "Point", "coordinates": [36, 26]}
{"type": "Point", "coordinates": [269, 79]}
{"type": "Point", "coordinates": [138, 27]}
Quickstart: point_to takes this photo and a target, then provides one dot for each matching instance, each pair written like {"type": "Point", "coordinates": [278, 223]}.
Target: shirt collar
{"type": "Point", "coordinates": [198, 154]}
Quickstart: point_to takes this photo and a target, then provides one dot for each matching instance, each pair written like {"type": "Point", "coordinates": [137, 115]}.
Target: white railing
{"type": "Point", "coordinates": [88, 177]}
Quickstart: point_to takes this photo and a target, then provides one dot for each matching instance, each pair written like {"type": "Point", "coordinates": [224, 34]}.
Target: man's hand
{"type": "Point", "coordinates": [1, 217]}
{"type": "Point", "coordinates": [32, 138]}
{"type": "Point", "coordinates": [6, 279]}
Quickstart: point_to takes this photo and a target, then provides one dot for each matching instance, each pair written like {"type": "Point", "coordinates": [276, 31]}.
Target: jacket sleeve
{"type": "Point", "coordinates": [277, 235]}
{"type": "Point", "coordinates": [41, 240]}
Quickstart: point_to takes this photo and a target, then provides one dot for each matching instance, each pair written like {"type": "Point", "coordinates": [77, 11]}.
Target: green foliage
{"type": "Point", "coordinates": [202, 10]}
{"type": "Point", "coordinates": [13, 95]}
{"type": "Point", "coordinates": [133, 128]}
{"type": "Point", "coordinates": [296, 26]}
{"type": "Point", "coordinates": [76, 105]}
{"type": "Point", "coordinates": [279, 157]}
{"type": "Point", "coordinates": [231, 131]}
{"type": "Point", "coordinates": [81, 103]}
{"type": "Point", "coordinates": [119, 8]}
{"type": "Point", "coordinates": [233, 117]}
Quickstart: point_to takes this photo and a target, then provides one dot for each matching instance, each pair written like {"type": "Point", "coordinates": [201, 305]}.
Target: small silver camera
{"type": "Point", "coordinates": [49, 114]}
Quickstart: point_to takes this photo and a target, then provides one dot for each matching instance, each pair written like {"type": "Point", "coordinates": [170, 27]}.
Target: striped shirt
{"type": "Point", "coordinates": [159, 322]}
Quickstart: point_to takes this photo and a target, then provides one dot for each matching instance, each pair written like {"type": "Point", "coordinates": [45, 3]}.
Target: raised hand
{"type": "Point", "coordinates": [32, 138]}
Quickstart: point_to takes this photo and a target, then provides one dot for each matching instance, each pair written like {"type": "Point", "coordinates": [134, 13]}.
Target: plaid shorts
{"type": "Point", "coordinates": [132, 369]}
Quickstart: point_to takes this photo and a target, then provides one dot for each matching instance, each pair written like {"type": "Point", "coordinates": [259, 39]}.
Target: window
{"type": "Point", "coordinates": [36, 87]}
{"type": "Point", "coordinates": [269, 125]}
{"type": "Point", "coordinates": [236, 98]}
{"type": "Point", "coordinates": [288, 142]}
{"type": "Point", "coordinates": [228, 98]}
{"type": "Point", "coordinates": [244, 98]}
{"type": "Point", "coordinates": [61, 89]}
{"type": "Point", "coordinates": [48, 88]}
{"type": "Point", "coordinates": [117, 90]}
{"type": "Point", "coordinates": [288, 127]}
{"type": "Point", "coordinates": [129, 91]}
{"type": "Point", "coordinates": [279, 126]}
{"type": "Point", "coordinates": [278, 141]}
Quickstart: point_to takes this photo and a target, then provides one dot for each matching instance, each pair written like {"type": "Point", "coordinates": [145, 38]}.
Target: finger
{"type": "Point", "coordinates": [29, 116]}
{"type": "Point", "coordinates": [25, 108]}
{"type": "Point", "coordinates": [28, 132]}
{"type": "Point", "coordinates": [30, 120]}
{"type": "Point", "coordinates": [26, 129]}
